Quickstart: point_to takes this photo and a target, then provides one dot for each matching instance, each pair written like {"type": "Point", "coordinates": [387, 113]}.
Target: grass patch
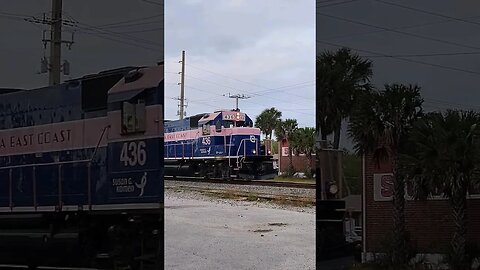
{"type": "Point", "coordinates": [294, 180]}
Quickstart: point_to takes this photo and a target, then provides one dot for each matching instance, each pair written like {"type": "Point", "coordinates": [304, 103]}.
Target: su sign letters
{"type": "Point", "coordinates": [383, 187]}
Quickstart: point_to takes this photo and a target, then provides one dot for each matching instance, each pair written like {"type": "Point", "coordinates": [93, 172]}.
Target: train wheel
{"type": "Point", "coordinates": [226, 172]}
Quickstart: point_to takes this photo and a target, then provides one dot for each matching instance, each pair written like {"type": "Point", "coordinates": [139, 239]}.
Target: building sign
{"type": "Point", "coordinates": [383, 187]}
{"type": "Point", "coordinates": [285, 151]}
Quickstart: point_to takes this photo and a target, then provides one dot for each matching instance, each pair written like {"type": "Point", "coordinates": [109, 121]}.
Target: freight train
{"type": "Point", "coordinates": [81, 171]}
{"type": "Point", "coordinates": [222, 145]}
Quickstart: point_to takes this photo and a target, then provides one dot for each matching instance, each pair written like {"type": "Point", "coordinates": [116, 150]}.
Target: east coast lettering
{"type": "Point", "coordinates": [39, 138]}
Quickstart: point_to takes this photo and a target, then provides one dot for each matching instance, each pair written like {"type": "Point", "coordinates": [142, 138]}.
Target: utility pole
{"type": "Point", "coordinates": [56, 43]}
{"type": "Point", "coordinates": [237, 97]}
{"type": "Point", "coordinates": [53, 66]}
{"type": "Point", "coordinates": [182, 87]}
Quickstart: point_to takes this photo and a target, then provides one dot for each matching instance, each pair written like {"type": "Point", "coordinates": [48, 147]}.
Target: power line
{"type": "Point", "coordinates": [428, 12]}
{"type": "Point", "coordinates": [424, 55]}
{"type": "Point", "coordinates": [246, 82]}
{"type": "Point", "coordinates": [396, 28]}
{"type": "Point", "coordinates": [108, 32]}
{"type": "Point", "coordinates": [153, 2]}
{"type": "Point", "coordinates": [336, 4]}
{"type": "Point", "coordinates": [130, 21]}
{"type": "Point", "coordinates": [121, 41]}
{"type": "Point", "coordinates": [399, 32]}
{"type": "Point", "coordinates": [405, 59]}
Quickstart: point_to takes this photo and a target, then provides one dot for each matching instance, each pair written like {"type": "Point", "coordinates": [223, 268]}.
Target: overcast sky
{"type": "Point", "coordinates": [133, 36]}
{"type": "Point", "coordinates": [245, 47]}
{"type": "Point", "coordinates": [366, 26]}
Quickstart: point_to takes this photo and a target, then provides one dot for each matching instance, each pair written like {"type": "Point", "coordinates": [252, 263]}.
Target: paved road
{"type": "Point", "coordinates": [202, 234]}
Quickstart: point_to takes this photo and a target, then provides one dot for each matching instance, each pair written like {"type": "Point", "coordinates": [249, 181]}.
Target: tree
{"type": "Point", "coordinates": [446, 157]}
{"type": "Point", "coordinates": [305, 144]}
{"type": "Point", "coordinates": [287, 130]}
{"type": "Point", "coordinates": [267, 121]}
{"type": "Point", "coordinates": [340, 75]}
{"type": "Point", "coordinates": [380, 125]}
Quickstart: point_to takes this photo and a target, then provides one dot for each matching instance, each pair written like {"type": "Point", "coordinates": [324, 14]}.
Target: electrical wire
{"type": "Point", "coordinates": [404, 59]}
{"type": "Point", "coordinates": [399, 32]}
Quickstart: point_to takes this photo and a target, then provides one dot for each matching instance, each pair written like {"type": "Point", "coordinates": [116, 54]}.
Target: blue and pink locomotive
{"type": "Point", "coordinates": [223, 144]}
{"type": "Point", "coordinates": [83, 160]}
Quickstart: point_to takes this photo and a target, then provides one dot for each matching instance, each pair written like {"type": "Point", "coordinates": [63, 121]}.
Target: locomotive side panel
{"type": "Point", "coordinates": [135, 142]}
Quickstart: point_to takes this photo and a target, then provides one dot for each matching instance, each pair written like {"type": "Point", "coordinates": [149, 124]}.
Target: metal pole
{"type": "Point", "coordinates": [323, 160]}
{"type": "Point", "coordinates": [182, 89]}
{"type": "Point", "coordinates": [56, 44]}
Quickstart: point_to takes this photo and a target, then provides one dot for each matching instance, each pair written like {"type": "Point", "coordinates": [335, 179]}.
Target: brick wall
{"type": "Point", "coordinates": [299, 162]}
{"type": "Point", "coordinates": [429, 222]}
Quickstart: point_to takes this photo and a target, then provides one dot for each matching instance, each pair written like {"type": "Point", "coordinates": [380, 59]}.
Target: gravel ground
{"type": "Point", "coordinates": [303, 192]}
{"type": "Point", "coordinates": [203, 233]}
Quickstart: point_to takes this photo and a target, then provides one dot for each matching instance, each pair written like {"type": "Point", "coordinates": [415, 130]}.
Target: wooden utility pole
{"type": "Point", "coordinates": [182, 88]}
{"type": "Point", "coordinates": [56, 43]}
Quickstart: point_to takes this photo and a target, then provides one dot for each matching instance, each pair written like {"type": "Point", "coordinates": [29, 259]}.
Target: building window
{"type": "Point", "coordinates": [133, 116]}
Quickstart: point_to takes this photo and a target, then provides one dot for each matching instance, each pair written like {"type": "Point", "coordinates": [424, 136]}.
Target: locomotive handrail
{"type": "Point", "coordinates": [98, 143]}
{"type": "Point", "coordinates": [46, 164]}
{"type": "Point", "coordinates": [244, 151]}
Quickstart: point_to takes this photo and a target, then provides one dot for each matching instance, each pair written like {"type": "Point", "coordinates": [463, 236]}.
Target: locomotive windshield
{"type": "Point", "coordinates": [228, 124]}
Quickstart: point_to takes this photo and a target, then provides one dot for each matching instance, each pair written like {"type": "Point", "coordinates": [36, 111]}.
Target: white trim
{"type": "Point", "coordinates": [23, 209]}
{"type": "Point", "coordinates": [126, 206]}
{"type": "Point", "coordinates": [45, 208]}
{"type": "Point", "coordinates": [73, 208]}
{"type": "Point", "coordinates": [215, 157]}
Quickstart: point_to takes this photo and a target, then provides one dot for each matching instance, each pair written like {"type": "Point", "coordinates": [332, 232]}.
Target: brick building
{"type": "Point", "coordinates": [300, 162]}
{"type": "Point", "coordinates": [429, 222]}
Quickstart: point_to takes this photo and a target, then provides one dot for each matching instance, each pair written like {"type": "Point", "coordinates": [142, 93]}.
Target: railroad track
{"type": "Point", "coordinates": [244, 182]}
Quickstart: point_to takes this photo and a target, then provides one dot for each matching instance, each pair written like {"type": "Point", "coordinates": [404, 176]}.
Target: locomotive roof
{"type": "Point", "coordinates": [147, 78]}
{"type": "Point", "coordinates": [122, 70]}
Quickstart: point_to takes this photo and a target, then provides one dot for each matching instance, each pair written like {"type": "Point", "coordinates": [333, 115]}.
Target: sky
{"type": "Point", "coordinates": [261, 49]}
{"type": "Point", "coordinates": [411, 30]}
{"type": "Point", "coordinates": [108, 34]}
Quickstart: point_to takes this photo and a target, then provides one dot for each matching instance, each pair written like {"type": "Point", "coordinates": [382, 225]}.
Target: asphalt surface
{"type": "Point", "coordinates": [218, 234]}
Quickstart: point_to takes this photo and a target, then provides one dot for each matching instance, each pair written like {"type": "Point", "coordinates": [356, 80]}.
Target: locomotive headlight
{"type": "Point", "coordinates": [253, 151]}
{"type": "Point", "coordinates": [333, 189]}
{"type": "Point", "coordinates": [269, 152]}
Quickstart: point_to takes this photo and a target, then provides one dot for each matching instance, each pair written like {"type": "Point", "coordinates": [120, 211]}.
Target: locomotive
{"type": "Point", "coordinates": [81, 171]}
{"type": "Point", "coordinates": [222, 145]}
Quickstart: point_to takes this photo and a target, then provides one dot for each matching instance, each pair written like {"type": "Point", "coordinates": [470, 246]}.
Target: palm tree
{"type": "Point", "coordinates": [287, 130]}
{"type": "Point", "coordinates": [306, 143]}
{"type": "Point", "coordinates": [340, 75]}
{"type": "Point", "coordinates": [379, 126]}
{"type": "Point", "coordinates": [267, 121]}
{"type": "Point", "coordinates": [446, 158]}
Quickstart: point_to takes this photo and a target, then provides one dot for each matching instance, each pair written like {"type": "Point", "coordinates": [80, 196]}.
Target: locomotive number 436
{"type": "Point", "coordinates": [133, 154]}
